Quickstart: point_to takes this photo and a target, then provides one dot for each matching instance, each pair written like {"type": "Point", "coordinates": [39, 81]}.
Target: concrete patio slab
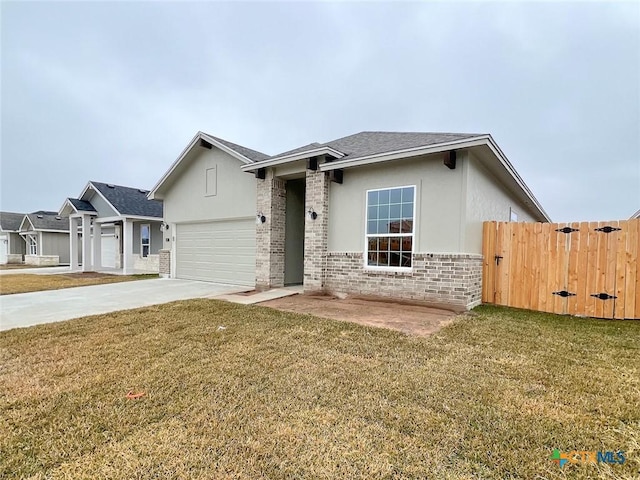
{"type": "Point", "coordinates": [245, 298]}
{"type": "Point", "coordinates": [27, 309]}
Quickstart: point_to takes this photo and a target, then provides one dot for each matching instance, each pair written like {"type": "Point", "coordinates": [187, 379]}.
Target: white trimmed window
{"type": "Point", "coordinates": [32, 243]}
{"type": "Point", "coordinates": [145, 239]}
{"type": "Point", "coordinates": [390, 228]}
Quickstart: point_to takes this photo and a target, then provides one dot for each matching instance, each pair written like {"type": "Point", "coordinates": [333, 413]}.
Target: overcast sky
{"type": "Point", "coordinates": [114, 91]}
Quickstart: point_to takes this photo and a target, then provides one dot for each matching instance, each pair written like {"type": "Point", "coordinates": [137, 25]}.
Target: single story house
{"type": "Point", "coordinates": [46, 235]}
{"type": "Point", "coordinates": [388, 214]}
{"type": "Point", "coordinates": [12, 246]}
{"type": "Point", "coordinates": [119, 229]}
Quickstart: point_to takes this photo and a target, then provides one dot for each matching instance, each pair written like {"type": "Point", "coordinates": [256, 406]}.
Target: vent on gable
{"type": "Point", "coordinates": [110, 185]}
{"type": "Point", "coordinates": [141, 190]}
{"type": "Point", "coordinates": [39, 216]}
{"type": "Point", "coordinates": [58, 218]}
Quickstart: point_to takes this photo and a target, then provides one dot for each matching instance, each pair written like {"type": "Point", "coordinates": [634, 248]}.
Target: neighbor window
{"type": "Point", "coordinates": [513, 216]}
{"type": "Point", "coordinates": [33, 244]}
{"type": "Point", "coordinates": [390, 227]}
{"type": "Point", "coordinates": [145, 239]}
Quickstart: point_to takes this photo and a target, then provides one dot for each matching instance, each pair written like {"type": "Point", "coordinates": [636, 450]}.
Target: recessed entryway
{"type": "Point", "coordinates": [294, 232]}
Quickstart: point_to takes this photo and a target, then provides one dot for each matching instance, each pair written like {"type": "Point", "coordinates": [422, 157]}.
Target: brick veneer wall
{"type": "Point", "coordinates": [453, 279]}
{"type": "Point", "coordinates": [165, 262]}
{"type": "Point", "coordinates": [315, 231]}
{"type": "Point", "coordinates": [270, 201]}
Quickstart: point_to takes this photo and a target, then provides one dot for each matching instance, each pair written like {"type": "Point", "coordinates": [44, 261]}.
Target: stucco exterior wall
{"type": "Point", "coordinates": [487, 199]}
{"type": "Point", "coordinates": [186, 198]}
{"type": "Point", "coordinates": [438, 203]}
{"type": "Point", "coordinates": [55, 244]}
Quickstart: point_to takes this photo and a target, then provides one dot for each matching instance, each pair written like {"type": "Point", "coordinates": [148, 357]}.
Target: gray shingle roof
{"type": "Point", "coordinates": [10, 222]}
{"type": "Point", "coordinates": [44, 220]}
{"type": "Point", "coordinates": [371, 143]}
{"type": "Point", "coordinates": [130, 201]}
{"type": "Point", "coordinates": [81, 205]}
{"type": "Point", "coordinates": [252, 155]}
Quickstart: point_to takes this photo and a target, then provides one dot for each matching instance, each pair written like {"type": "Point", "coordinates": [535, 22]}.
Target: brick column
{"type": "Point", "coordinates": [271, 200]}
{"type": "Point", "coordinates": [165, 263]}
{"type": "Point", "coordinates": [315, 231]}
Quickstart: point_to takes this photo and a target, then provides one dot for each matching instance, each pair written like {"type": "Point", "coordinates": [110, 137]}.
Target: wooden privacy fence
{"type": "Point", "coordinates": [583, 268]}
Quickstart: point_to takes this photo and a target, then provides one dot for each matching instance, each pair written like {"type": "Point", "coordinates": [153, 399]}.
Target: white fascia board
{"type": "Point", "coordinates": [127, 217]}
{"type": "Point", "coordinates": [292, 158]}
{"type": "Point", "coordinates": [95, 189]}
{"type": "Point", "coordinates": [635, 215]}
{"type": "Point", "coordinates": [514, 174]}
{"type": "Point", "coordinates": [194, 142]}
{"type": "Point", "coordinates": [26, 217]}
{"type": "Point", "coordinates": [406, 153]}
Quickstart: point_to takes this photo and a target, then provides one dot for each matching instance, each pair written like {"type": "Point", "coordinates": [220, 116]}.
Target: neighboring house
{"type": "Point", "coordinates": [120, 228]}
{"type": "Point", "coordinates": [635, 215]}
{"type": "Point", "coordinates": [375, 213]}
{"type": "Point", "coordinates": [46, 235]}
{"type": "Point", "coordinates": [12, 246]}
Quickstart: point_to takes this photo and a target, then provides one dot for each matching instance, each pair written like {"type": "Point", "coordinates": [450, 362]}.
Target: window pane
{"type": "Point", "coordinates": [394, 226]}
{"type": "Point", "coordinates": [395, 211]}
{"type": "Point", "coordinates": [383, 212]}
{"type": "Point", "coordinates": [372, 259]}
{"type": "Point", "coordinates": [394, 244]}
{"type": "Point", "coordinates": [407, 226]}
{"type": "Point", "coordinates": [395, 195]}
{"type": "Point", "coordinates": [383, 243]}
{"type": "Point", "coordinates": [145, 250]}
{"type": "Point", "coordinates": [406, 244]}
{"type": "Point", "coordinates": [383, 259]}
{"type": "Point", "coordinates": [373, 244]}
{"type": "Point", "coordinates": [383, 197]}
{"type": "Point", "coordinates": [406, 259]}
{"type": "Point", "coordinates": [372, 213]}
{"type": "Point", "coordinates": [407, 210]}
{"type": "Point", "coordinates": [394, 259]}
{"type": "Point", "coordinates": [383, 226]}
{"type": "Point", "coordinates": [373, 198]}
{"type": "Point", "coordinates": [407, 194]}
{"type": "Point", "coordinates": [372, 227]}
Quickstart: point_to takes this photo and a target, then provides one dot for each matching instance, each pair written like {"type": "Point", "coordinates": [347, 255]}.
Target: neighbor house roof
{"type": "Point", "coordinates": [45, 220]}
{"type": "Point", "coordinates": [81, 205]}
{"type": "Point", "coordinates": [129, 201]}
{"type": "Point", "coordinates": [10, 222]}
{"type": "Point", "coordinates": [635, 215]}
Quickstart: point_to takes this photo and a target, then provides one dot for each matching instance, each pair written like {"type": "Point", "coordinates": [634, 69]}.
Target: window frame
{"type": "Point", "coordinates": [142, 245]}
{"type": "Point", "coordinates": [32, 244]}
{"type": "Point", "coordinates": [367, 236]}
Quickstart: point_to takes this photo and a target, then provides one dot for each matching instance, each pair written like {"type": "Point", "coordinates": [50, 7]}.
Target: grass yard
{"type": "Point", "coordinates": [23, 283]}
{"type": "Point", "coordinates": [281, 395]}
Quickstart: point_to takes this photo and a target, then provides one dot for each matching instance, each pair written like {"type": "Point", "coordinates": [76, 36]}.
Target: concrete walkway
{"type": "Point", "coordinates": [27, 309]}
{"type": "Point", "coordinates": [36, 271]}
{"type": "Point", "coordinates": [259, 297]}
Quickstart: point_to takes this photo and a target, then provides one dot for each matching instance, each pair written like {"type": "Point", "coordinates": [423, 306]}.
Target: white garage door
{"type": "Point", "coordinates": [3, 249]}
{"type": "Point", "coordinates": [108, 250]}
{"type": "Point", "coordinates": [221, 252]}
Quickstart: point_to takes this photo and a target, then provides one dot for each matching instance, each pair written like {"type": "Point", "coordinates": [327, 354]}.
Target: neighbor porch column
{"type": "Point", "coordinates": [127, 247]}
{"type": "Point", "coordinates": [270, 235]}
{"type": "Point", "coordinates": [97, 245]}
{"type": "Point", "coordinates": [73, 244]}
{"type": "Point", "coordinates": [315, 231]}
{"type": "Point", "coordinates": [86, 243]}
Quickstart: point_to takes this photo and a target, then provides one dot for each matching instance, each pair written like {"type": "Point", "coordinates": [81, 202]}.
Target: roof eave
{"type": "Point", "coordinates": [294, 157]}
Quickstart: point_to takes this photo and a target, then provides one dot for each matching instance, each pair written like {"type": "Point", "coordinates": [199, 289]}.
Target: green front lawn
{"type": "Point", "coordinates": [281, 395]}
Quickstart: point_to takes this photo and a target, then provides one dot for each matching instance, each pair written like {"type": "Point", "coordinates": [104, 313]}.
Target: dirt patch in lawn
{"type": "Point", "coordinates": [410, 319]}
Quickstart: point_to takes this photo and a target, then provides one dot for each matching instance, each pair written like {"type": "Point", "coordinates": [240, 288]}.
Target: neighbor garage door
{"type": "Point", "coordinates": [222, 252]}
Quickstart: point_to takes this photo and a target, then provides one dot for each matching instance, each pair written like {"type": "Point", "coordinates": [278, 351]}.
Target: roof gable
{"type": "Point", "coordinates": [129, 201]}
{"type": "Point", "coordinates": [45, 220]}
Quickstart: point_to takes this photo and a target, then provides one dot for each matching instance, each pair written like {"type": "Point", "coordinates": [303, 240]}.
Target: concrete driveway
{"type": "Point", "coordinates": [27, 309]}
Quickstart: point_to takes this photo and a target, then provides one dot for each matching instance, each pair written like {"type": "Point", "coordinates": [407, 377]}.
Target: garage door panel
{"type": "Point", "coordinates": [222, 252]}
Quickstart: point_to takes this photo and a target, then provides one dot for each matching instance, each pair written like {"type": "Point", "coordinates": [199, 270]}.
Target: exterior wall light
{"type": "Point", "coordinates": [260, 218]}
{"type": "Point", "coordinates": [312, 214]}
